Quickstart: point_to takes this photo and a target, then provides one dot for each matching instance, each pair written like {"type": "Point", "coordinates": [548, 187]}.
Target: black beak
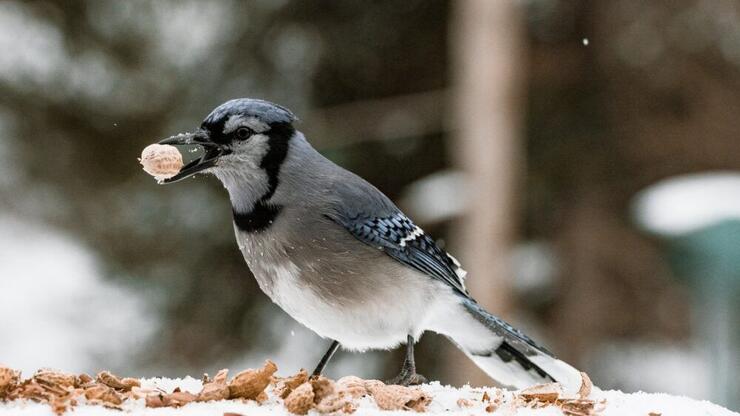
{"type": "Point", "coordinates": [211, 153]}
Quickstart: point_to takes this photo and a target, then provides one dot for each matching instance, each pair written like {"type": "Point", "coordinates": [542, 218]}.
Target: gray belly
{"type": "Point", "coordinates": [365, 300]}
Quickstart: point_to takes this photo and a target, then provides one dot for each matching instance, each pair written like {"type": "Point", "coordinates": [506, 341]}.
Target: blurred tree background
{"type": "Point", "coordinates": [528, 128]}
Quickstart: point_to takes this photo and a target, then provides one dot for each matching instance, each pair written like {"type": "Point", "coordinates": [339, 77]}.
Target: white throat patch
{"type": "Point", "coordinates": [241, 174]}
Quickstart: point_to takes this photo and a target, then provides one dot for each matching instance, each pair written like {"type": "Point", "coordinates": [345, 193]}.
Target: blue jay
{"type": "Point", "coordinates": [340, 258]}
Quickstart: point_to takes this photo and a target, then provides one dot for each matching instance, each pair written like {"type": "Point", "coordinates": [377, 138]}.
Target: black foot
{"type": "Point", "coordinates": [408, 375]}
{"type": "Point", "coordinates": [407, 379]}
{"type": "Point", "coordinates": [325, 359]}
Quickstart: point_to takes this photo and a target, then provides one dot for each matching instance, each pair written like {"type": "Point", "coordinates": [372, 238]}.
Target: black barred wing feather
{"type": "Point", "coordinates": [404, 241]}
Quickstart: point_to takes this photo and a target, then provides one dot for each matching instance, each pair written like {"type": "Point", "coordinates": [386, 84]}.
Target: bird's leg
{"type": "Point", "coordinates": [408, 375]}
{"type": "Point", "coordinates": [325, 359]}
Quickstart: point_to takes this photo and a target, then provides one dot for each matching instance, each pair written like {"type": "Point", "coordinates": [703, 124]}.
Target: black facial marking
{"type": "Point", "coordinates": [280, 130]}
{"type": "Point", "coordinates": [264, 111]}
{"type": "Point", "coordinates": [215, 130]}
{"type": "Point", "coordinates": [279, 136]}
{"type": "Point", "coordinates": [258, 219]}
{"type": "Point", "coordinates": [264, 213]}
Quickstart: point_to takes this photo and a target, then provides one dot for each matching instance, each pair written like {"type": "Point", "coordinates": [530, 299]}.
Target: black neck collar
{"type": "Point", "coordinates": [264, 213]}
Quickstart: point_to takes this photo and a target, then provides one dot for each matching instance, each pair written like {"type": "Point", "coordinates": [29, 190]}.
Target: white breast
{"type": "Point", "coordinates": [372, 307]}
{"type": "Point", "coordinates": [380, 323]}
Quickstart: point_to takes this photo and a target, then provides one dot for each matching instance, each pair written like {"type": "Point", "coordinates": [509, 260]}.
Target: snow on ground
{"type": "Point", "coordinates": [445, 400]}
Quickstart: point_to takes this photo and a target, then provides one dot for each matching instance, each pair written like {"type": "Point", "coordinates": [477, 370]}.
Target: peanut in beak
{"type": "Point", "coordinates": [161, 161]}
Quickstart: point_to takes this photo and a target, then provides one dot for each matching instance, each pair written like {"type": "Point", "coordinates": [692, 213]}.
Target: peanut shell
{"type": "Point", "coordinates": [8, 380]}
{"type": "Point", "coordinates": [161, 161]}
{"type": "Point", "coordinates": [300, 400]}
{"type": "Point", "coordinates": [396, 397]}
{"type": "Point", "coordinates": [250, 383]}
{"type": "Point", "coordinates": [288, 384]}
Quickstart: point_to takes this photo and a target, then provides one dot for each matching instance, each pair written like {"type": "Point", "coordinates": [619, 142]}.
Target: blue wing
{"type": "Point", "coordinates": [401, 239]}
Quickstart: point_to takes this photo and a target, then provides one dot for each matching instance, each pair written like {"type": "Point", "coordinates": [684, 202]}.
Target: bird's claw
{"type": "Point", "coordinates": [408, 379]}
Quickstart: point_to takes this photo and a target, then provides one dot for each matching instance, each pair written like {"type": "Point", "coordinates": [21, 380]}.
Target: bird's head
{"type": "Point", "coordinates": [243, 134]}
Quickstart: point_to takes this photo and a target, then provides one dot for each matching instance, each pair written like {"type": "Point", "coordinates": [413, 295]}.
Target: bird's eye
{"type": "Point", "coordinates": [243, 133]}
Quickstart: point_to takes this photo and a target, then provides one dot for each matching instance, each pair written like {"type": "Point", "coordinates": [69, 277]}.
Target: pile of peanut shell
{"type": "Point", "coordinates": [63, 391]}
{"type": "Point", "coordinates": [299, 392]}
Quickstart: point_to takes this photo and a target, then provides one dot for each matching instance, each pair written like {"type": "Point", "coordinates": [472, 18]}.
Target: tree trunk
{"type": "Point", "coordinates": [486, 49]}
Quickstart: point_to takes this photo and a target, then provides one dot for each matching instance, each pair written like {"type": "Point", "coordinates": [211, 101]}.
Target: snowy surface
{"type": "Point", "coordinates": [445, 400]}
